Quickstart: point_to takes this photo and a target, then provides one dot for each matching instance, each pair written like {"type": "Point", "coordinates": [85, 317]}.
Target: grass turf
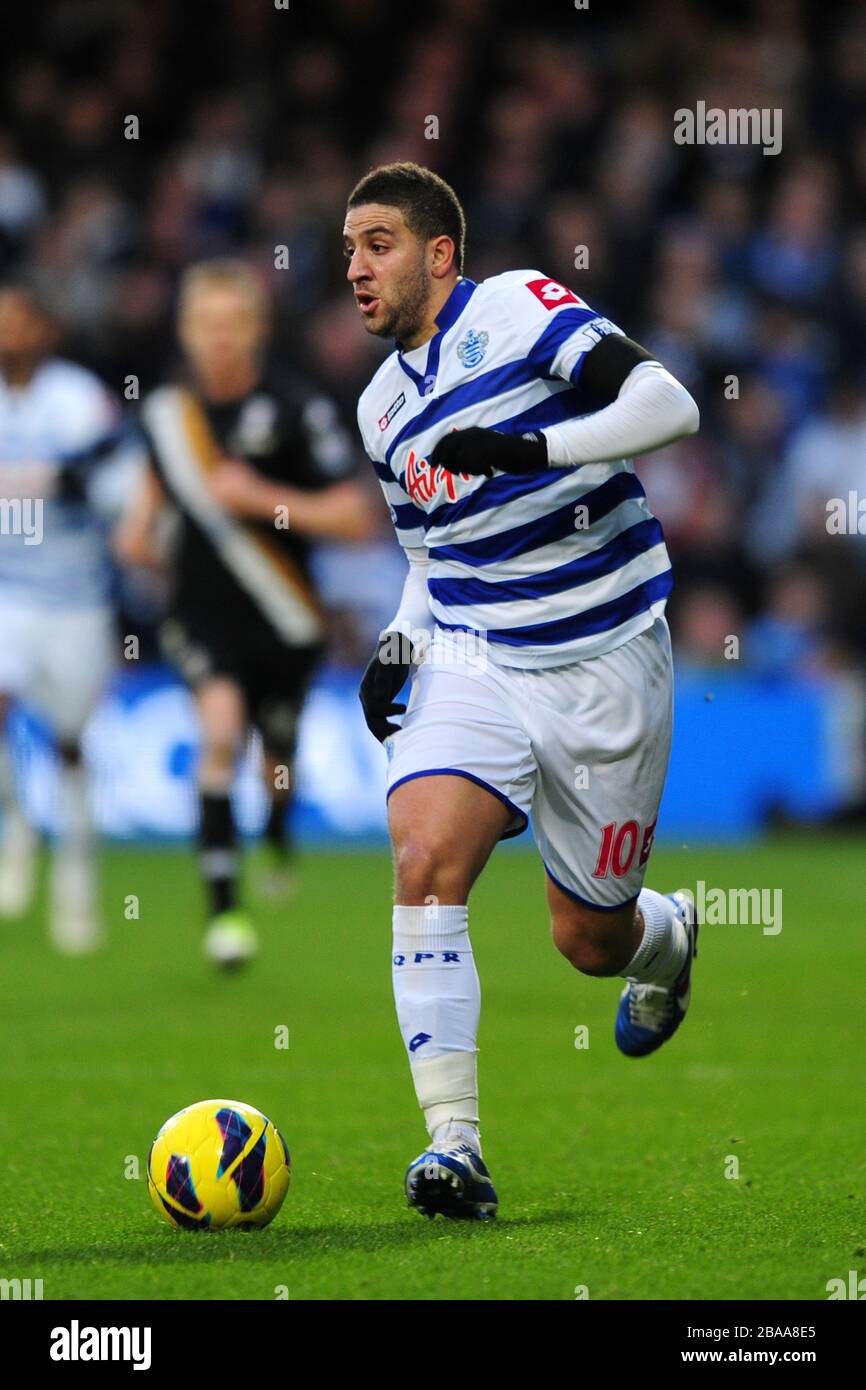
{"type": "Point", "coordinates": [611, 1172]}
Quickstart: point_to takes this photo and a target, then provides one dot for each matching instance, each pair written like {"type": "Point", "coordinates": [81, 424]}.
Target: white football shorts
{"type": "Point", "coordinates": [55, 661]}
{"type": "Point", "coordinates": [583, 749]}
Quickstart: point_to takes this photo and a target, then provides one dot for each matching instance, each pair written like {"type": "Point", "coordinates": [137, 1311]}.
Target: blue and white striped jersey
{"type": "Point", "coordinates": [54, 552]}
{"type": "Point", "coordinates": [549, 567]}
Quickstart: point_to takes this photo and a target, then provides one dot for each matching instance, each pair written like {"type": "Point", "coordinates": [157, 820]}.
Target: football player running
{"type": "Point", "coordinates": [67, 463]}
{"type": "Point", "coordinates": [256, 466]}
{"type": "Point", "coordinates": [503, 429]}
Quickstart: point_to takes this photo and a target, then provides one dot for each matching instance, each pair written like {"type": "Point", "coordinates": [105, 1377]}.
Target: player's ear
{"type": "Point", "coordinates": [441, 251]}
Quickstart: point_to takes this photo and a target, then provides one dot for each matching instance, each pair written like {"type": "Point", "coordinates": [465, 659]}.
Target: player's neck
{"type": "Point", "coordinates": [228, 383]}
{"type": "Point", "coordinates": [440, 295]}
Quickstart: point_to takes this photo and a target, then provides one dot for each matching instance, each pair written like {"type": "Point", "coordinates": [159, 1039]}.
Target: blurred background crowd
{"type": "Point", "coordinates": [745, 273]}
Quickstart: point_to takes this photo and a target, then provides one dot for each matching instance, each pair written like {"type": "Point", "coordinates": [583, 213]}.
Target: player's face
{"type": "Point", "coordinates": [26, 334]}
{"type": "Point", "coordinates": [220, 327]}
{"type": "Point", "coordinates": [388, 271]}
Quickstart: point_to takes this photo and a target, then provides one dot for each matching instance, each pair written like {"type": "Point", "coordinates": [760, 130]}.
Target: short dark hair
{"type": "Point", "coordinates": [429, 204]}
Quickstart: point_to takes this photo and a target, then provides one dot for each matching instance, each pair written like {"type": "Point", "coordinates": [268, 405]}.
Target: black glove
{"type": "Point", "coordinates": [480, 451]}
{"type": "Point", "coordinates": [384, 677]}
{"type": "Point", "coordinates": [71, 485]}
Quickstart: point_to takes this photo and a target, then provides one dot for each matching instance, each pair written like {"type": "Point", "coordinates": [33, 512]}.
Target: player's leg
{"type": "Point", "coordinates": [276, 689]}
{"type": "Point", "coordinates": [650, 943]}
{"type": "Point", "coordinates": [601, 777]}
{"type": "Point", "coordinates": [278, 766]}
{"type": "Point", "coordinates": [20, 841]}
{"type": "Point", "coordinates": [222, 716]}
{"type": "Point", "coordinates": [75, 922]}
{"type": "Point", "coordinates": [443, 830]}
{"type": "Point", "coordinates": [644, 941]}
{"type": "Point", "coordinates": [19, 845]}
{"type": "Point", "coordinates": [76, 657]}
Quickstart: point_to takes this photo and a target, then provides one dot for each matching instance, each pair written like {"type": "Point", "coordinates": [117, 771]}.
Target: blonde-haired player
{"type": "Point", "coordinates": [257, 466]}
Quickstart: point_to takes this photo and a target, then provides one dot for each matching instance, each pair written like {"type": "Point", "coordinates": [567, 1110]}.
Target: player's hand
{"type": "Point", "coordinates": [481, 452]}
{"type": "Point", "coordinates": [237, 487]}
{"type": "Point", "coordinates": [133, 543]}
{"type": "Point", "coordinates": [385, 676]}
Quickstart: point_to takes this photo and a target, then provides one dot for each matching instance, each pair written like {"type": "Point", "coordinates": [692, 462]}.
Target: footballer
{"type": "Point", "coordinates": [67, 456]}
{"type": "Point", "coordinates": [257, 466]}
{"type": "Point", "coordinates": [502, 428]}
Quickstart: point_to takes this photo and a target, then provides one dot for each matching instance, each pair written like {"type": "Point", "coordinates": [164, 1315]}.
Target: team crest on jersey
{"type": "Point", "coordinates": [473, 349]}
{"type": "Point", "coordinates": [393, 409]}
{"type": "Point", "coordinates": [255, 431]}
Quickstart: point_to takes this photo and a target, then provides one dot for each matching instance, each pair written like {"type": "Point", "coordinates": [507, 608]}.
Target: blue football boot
{"type": "Point", "coordinates": [452, 1180]}
{"type": "Point", "coordinates": [648, 1014]}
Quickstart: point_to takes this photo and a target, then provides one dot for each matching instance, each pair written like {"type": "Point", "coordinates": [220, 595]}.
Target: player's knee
{"type": "Point", "coordinates": [426, 867]}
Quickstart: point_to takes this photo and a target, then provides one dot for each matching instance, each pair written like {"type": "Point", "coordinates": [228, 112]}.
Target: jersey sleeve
{"type": "Point", "coordinates": [102, 455]}
{"type": "Point", "coordinates": [408, 520]}
{"type": "Point", "coordinates": [110, 486]}
{"type": "Point", "coordinates": [555, 328]}
{"type": "Point", "coordinates": [93, 421]}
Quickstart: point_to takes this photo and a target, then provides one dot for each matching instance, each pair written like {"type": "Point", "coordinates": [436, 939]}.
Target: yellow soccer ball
{"type": "Point", "coordinates": [217, 1164]}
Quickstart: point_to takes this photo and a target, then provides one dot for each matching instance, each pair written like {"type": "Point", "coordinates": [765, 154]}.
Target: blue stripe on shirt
{"type": "Point", "coordinates": [382, 471]}
{"type": "Point", "coordinates": [634, 541]}
{"type": "Point", "coordinates": [600, 619]}
{"type": "Point", "coordinates": [407, 517]}
{"type": "Point", "coordinates": [481, 388]}
{"type": "Point", "coordinates": [566, 323]}
{"type": "Point", "coordinates": [504, 487]}
{"type": "Point", "coordinates": [562, 405]}
{"type": "Point", "coordinates": [553, 526]}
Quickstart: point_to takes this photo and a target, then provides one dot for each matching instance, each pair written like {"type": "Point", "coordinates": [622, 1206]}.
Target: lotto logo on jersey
{"type": "Point", "coordinates": [393, 409]}
{"type": "Point", "coordinates": [551, 293]}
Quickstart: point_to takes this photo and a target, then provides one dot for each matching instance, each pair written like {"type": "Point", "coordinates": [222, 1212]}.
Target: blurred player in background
{"type": "Point", "coordinates": [257, 466]}
{"type": "Point", "coordinates": [65, 470]}
{"type": "Point", "coordinates": [502, 430]}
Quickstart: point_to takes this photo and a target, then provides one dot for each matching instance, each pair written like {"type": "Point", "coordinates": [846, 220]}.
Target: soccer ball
{"type": "Point", "coordinates": [217, 1164]}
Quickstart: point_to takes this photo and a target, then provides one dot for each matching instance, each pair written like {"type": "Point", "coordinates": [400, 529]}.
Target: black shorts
{"type": "Point", "coordinates": [273, 677]}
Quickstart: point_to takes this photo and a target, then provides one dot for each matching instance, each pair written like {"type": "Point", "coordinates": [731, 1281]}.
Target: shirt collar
{"type": "Point", "coordinates": [445, 319]}
{"type": "Point", "coordinates": [449, 313]}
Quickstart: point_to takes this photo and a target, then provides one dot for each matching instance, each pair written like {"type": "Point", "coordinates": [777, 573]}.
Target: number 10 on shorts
{"type": "Point", "coordinates": [619, 845]}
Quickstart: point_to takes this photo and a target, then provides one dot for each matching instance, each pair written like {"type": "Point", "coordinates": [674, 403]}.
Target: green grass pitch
{"type": "Point", "coordinates": [610, 1171]}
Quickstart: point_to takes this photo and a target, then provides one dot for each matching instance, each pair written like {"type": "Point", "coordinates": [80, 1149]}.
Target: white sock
{"type": "Point", "coordinates": [15, 828]}
{"type": "Point", "coordinates": [74, 854]}
{"type": "Point", "coordinates": [662, 952]}
{"type": "Point", "coordinates": [438, 998]}
{"type": "Point", "coordinates": [7, 776]}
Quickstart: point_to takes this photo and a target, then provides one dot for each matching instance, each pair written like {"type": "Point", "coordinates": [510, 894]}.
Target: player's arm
{"type": "Point", "coordinates": [403, 639]}
{"type": "Point", "coordinates": [400, 644]}
{"type": "Point", "coordinates": [630, 404]}
{"type": "Point", "coordinates": [134, 540]}
{"type": "Point", "coordinates": [340, 511]}
{"type": "Point", "coordinates": [646, 408]}
{"type": "Point", "coordinates": [102, 455]}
